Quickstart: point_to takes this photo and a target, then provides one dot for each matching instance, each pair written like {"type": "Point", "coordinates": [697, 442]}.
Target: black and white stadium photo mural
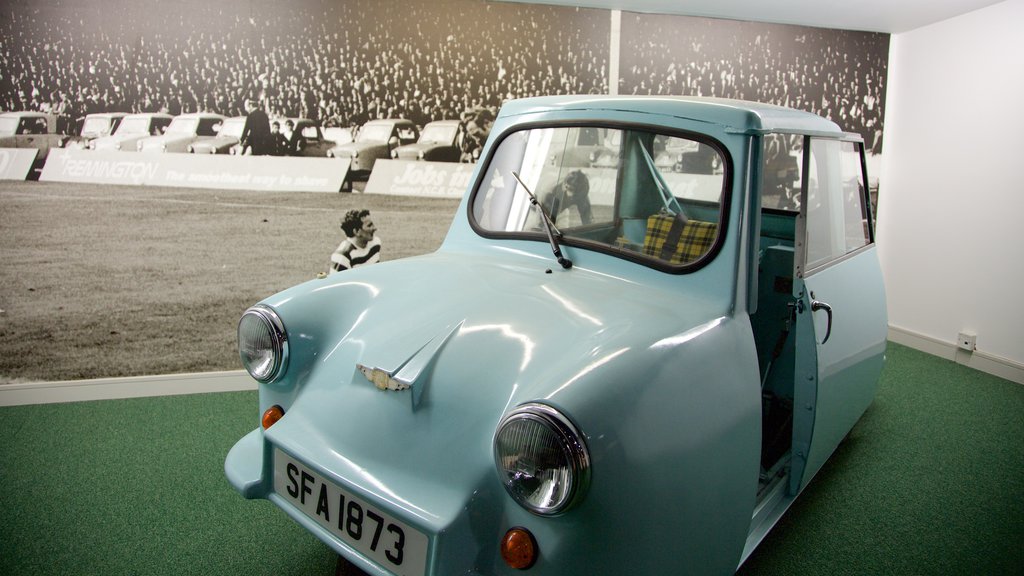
{"type": "Point", "coordinates": [137, 107]}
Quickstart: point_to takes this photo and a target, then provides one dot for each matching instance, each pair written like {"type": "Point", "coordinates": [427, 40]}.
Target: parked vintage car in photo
{"type": "Point", "coordinates": [228, 135]}
{"type": "Point", "coordinates": [133, 128]}
{"type": "Point", "coordinates": [305, 138]}
{"type": "Point", "coordinates": [310, 141]}
{"type": "Point", "coordinates": [375, 140]}
{"type": "Point", "coordinates": [31, 130]}
{"type": "Point", "coordinates": [440, 141]}
{"type": "Point", "coordinates": [619, 369]}
{"type": "Point", "coordinates": [184, 130]}
{"type": "Point", "coordinates": [96, 125]}
{"type": "Point", "coordinates": [585, 146]}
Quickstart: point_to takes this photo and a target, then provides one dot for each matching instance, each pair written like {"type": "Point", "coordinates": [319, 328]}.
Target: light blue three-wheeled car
{"type": "Point", "coordinates": [651, 322]}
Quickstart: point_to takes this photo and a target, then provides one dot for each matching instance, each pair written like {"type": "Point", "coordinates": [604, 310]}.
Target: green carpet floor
{"type": "Point", "coordinates": [930, 481]}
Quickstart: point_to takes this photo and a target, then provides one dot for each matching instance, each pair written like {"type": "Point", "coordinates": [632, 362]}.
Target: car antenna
{"type": "Point", "coordinates": [549, 226]}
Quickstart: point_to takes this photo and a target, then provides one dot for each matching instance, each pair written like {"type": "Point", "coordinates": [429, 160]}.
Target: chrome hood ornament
{"type": "Point", "coordinates": [409, 374]}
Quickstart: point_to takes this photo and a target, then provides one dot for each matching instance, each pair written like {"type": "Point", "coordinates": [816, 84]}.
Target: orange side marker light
{"type": "Point", "coordinates": [519, 548]}
{"type": "Point", "coordinates": [272, 415]}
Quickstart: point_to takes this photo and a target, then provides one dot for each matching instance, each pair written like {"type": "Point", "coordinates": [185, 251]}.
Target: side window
{"type": "Point", "coordinates": [32, 126]}
{"type": "Point", "coordinates": [407, 135]}
{"type": "Point", "coordinates": [837, 221]}
{"type": "Point", "coordinates": [208, 127]}
{"type": "Point", "coordinates": [782, 157]}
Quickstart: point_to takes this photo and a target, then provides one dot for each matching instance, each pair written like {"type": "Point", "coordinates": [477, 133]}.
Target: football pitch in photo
{"type": "Point", "coordinates": [101, 281]}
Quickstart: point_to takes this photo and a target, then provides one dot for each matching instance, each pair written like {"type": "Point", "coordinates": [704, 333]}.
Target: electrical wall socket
{"type": "Point", "coordinates": [967, 341]}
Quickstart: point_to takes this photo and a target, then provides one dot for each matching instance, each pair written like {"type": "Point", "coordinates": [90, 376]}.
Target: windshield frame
{"type": "Point", "coordinates": [724, 205]}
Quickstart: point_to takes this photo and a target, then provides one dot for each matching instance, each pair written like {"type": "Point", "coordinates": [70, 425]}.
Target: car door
{"type": "Point", "coordinates": [841, 321]}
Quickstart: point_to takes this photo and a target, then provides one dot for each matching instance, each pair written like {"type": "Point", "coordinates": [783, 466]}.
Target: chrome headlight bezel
{"type": "Point", "coordinates": [551, 496]}
{"type": "Point", "coordinates": [263, 346]}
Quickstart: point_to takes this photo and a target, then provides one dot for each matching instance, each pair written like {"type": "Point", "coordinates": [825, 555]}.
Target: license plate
{"type": "Point", "coordinates": [394, 545]}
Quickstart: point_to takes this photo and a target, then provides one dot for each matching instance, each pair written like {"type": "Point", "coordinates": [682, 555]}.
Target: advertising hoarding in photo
{"type": "Point", "coordinates": [15, 164]}
{"type": "Point", "coordinates": [417, 178]}
{"type": "Point", "coordinates": [271, 173]}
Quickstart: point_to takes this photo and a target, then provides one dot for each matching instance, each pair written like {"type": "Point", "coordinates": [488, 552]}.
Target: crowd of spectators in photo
{"type": "Point", "coordinates": [837, 74]}
{"type": "Point", "coordinates": [343, 63]}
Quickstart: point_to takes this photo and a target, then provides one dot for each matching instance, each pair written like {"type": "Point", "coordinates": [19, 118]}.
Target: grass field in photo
{"type": "Point", "coordinates": [104, 281]}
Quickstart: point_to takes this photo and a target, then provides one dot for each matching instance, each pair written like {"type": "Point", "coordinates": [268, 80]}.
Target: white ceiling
{"type": "Point", "coordinates": [891, 16]}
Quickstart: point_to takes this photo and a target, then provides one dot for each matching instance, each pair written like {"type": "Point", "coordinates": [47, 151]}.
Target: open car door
{"type": "Point", "coordinates": [841, 322]}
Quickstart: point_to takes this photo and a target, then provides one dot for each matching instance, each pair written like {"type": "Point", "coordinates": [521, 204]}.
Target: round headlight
{"type": "Point", "coordinates": [262, 343]}
{"type": "Point", "coordinates": [542, 459]}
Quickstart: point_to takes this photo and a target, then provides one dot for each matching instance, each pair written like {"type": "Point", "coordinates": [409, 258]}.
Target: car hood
{"type": "Point", "coordinates": [113, 139]}
{"type": "Point", "coordinates": [414, 149]}
{"type": "Point", "coordinates": [167, 139]}
{"type": "Point", "coordinates": [471, 339]}
{"type": "Point", "coordinates": [361, 146]}
{"type": "Point", "coordinates": [215, 142]}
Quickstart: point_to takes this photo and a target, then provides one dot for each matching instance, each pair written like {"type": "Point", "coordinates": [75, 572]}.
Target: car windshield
{"type": "Point", "coordinates": [439, 133]}
{"type": "Point", "coordinates": [183, 126]}
{"type": "Point", "coordinates": [375, 133]}
{"type": "Point", "coordinates": [638, 194]}
{"type": "Point", "coordinates": [338, 135]}
{"type": "Point", "coordinates": [232, 127]}
{"type": "Point", "coordinates": [133, 125]}
{"type": "Point", "coordinates": [95, 126]}
{"type": "Point", "coordinates": [8, 126]}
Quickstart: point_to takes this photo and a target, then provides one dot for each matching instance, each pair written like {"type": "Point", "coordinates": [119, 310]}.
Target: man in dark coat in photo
{"type": "Point", "coordinates": [256, 132]}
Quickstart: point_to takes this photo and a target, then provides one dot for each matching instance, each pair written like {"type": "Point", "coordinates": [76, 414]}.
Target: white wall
{"type": "Point", "coordinates": [951, 204]}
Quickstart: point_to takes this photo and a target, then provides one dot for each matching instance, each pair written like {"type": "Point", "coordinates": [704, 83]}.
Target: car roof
{"type": "Point", "coordinates": [25, 114]}
{"type": "Point", "coordinates": [200, 115]}
{"type": "Point", "coordinates": [401, 121]}
{"type": "Point", "coordinates": [444, 123]}
{"type": "Point", "coordinates": [733, 115]}
{"type": "Point", "coordinates": [107, 115]}
{"type": "Point", "coordinates": [150, 115]}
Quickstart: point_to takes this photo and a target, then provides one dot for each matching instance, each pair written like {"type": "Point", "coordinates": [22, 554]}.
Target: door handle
{"type": "Point", "coordinates": [818, 305]}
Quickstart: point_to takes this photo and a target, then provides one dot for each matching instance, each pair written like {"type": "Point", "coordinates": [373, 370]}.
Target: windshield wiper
{"type": "Point", "coordinates": [549, 226]}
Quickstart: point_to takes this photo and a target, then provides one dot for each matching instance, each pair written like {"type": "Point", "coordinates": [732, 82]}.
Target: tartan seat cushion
{"type": "Point", "coordinates": [678, 240]}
